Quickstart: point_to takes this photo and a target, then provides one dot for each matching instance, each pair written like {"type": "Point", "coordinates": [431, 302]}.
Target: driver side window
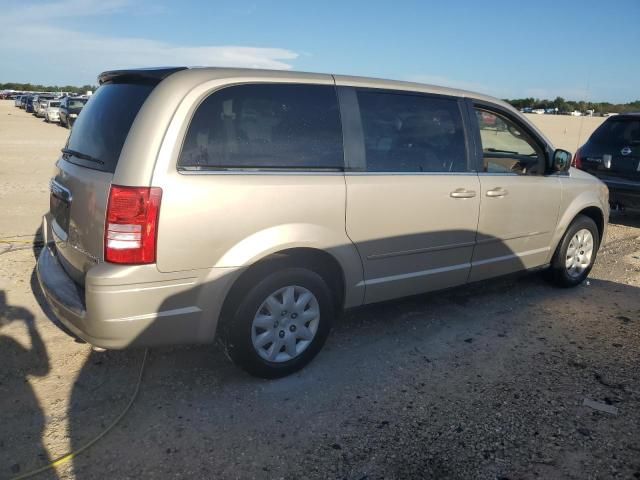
{"type": "Point", "coordinates": [505, 148]}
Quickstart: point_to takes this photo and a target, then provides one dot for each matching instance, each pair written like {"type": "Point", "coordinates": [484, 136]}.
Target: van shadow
{"type": "Point", "coordinates": [21, 417]}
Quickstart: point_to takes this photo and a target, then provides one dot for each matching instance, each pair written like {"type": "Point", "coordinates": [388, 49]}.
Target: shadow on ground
{"type": "Point", "coordinates": [628, 219]}
{"type": "Point", "coordinates": [478, 382]}
{"type": "Point", "coordinates": [19, 363]}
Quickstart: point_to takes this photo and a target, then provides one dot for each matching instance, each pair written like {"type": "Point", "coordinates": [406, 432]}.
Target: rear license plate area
{"type": "Point", "coordinates": [60, 205]}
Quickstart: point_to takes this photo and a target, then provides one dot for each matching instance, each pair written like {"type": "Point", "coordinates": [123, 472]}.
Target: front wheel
{"type": "Point", "coordinates": [281, 323]}
{"type": "Point", "coordinates": [576, 253]}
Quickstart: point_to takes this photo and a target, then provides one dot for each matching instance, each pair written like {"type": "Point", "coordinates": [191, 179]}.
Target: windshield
{"type": "Point", "coordinates": [103, 125]}
{"type": "Point", "coordinates": [619, 131]}
{"type": "Point", "coordinates": [54, 104]}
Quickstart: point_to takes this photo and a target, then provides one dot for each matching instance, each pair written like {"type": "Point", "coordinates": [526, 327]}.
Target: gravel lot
{"type": "Point", "coordinates": [482, 382]}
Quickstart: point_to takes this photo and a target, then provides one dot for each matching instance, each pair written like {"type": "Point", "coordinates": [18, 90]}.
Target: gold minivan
{"type": "Point", "coordinates": [190, 203]}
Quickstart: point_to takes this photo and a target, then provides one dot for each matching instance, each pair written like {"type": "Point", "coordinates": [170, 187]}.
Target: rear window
{"type": "Point", "coordinates": [76, 102]}
{"type": "Point", "coordinates": [619, 131]}
{"type": "Point", "coordinates": [279, 126]}
{"type": "Point", "coordinates": [102, 128]}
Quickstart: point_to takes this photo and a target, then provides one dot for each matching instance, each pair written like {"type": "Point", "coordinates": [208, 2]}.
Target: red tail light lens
{"type": "Point", "coordinates": [132, 224]}
{"type": "Point", "coordinates": [577, 160]}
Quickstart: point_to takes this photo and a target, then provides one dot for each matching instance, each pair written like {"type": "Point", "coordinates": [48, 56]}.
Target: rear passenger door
{"type": "Point", "coordinates": [519, 202]}
{"type": "Point", "coordinates": [412, 195]}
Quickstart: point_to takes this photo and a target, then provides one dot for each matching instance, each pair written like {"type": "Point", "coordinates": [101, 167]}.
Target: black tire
{"type": "Point", "coordinates": [236, 329]}
{"type": "Point", "coordinates": [558, 273]}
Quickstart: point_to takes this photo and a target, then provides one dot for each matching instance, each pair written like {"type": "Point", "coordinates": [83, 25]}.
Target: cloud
{"type": "Point", "coordinates": [69, 56]}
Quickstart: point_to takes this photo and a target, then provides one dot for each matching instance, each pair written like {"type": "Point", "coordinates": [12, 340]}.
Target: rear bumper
{"type": "Point", "coordinates": [135, 306]}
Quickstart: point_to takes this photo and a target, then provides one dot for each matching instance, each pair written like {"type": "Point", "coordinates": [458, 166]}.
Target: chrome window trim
{"type": "Point", "coordinates": [311, 172]}
{"type": "Point", "coordinates": [259, 172]}
{"type": "Point", "coordinates": [359, 174]}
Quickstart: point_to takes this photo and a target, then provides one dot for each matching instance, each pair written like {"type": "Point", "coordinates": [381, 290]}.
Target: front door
{"type": "Point", "coordinates": [519, 204]}
{"type": "Point", "coordinates": [412, 209]}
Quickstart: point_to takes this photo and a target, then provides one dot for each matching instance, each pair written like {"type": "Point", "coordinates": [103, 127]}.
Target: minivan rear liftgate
{"type": "Point", "coordinates": [84, 175]}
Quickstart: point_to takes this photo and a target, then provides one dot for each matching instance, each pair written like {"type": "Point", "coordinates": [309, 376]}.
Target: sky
{"type": "Point", "coordinates": [579, 50]}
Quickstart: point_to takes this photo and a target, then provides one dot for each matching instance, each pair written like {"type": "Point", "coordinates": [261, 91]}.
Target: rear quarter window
{"type": "Point", "coordinates": [265, 126]}
{"type": "Point", "coordinates": [104, 123]}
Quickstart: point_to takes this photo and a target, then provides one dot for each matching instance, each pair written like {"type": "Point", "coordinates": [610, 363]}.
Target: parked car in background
{"type": "Point", "coordinates": [253, 206]}
{"type": "Point", "coordinates": [612, 154]}
{"type": "Point", "coordinates": [16, 101]}
{"type": "Point", "coordinates": [70, 108]}
{"type": "Point", "coordinates": [52, 111]}
{"type": "Point", "coordinates": [29, 107]}
{"type": "Point", "coordinates": [40, 104]}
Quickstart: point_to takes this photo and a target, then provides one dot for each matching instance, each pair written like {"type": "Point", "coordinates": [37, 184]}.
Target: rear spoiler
{"type": "Point", "coordinates": [138, 75]}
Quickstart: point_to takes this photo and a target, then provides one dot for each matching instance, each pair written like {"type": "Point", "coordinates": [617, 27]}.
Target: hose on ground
{"type": "Point", "coordinates": [71, 455]}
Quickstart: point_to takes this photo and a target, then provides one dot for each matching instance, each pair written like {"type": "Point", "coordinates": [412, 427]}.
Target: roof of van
{"type": "Point", "coordinates": [176, 79]}
{"type": "Point", "coordinates": [156, 75]}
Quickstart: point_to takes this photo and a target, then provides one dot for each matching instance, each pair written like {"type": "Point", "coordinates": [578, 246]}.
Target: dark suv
{"type": "Point", "coordinates": [28, 106]}
{"type": "Point", "coordinates": [612, 154]}
{"type": "Point", "coordinates": [70, 108]}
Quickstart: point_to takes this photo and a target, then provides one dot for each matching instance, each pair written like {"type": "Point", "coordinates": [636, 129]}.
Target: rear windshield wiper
{"type": "Point", "coordinates": [82, 156]}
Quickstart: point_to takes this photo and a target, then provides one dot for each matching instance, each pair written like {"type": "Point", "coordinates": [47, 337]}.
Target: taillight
{"type": "Point", "coordinates": [132, 225]}
{"type": "Point", "coordinates": [577, 160]}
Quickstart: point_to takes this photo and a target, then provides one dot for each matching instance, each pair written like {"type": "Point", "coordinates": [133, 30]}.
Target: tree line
{"type": "Point", "coordinates": [570, 105]}
{"type": "Point", "coordinates": [30, 87]}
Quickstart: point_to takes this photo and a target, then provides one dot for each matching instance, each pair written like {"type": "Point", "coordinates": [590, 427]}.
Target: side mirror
{"type": "Point", "coordinates": [561, 161]}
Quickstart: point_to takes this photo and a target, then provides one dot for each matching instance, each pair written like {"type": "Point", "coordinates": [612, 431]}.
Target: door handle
{"type": "Point", "coordinates": [497, 192]}
{"type": "Point", "coordinates": [462, 193]}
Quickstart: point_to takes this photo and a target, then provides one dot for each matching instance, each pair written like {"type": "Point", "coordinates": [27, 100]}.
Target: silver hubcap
{"type": "Point", "coordinates": [285, 324]}
{"type": "Point", "coordinates": [579, 253]}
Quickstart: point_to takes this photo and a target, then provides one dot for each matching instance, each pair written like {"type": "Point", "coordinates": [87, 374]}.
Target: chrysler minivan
{"type": "Point", "coordinates": [253, 206]}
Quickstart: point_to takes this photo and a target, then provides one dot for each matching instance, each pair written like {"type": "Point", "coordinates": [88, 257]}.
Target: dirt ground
{"type": "Point", "coordinates": [566, 132]}
{"type": "Point", "coordinates": [482, 382]}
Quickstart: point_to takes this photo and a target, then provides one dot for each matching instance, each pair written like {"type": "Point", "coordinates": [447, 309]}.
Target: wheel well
{"type": "Point", "coordinates": [319, 261]}
{"type": "Point", "coordinates": [595, 214]}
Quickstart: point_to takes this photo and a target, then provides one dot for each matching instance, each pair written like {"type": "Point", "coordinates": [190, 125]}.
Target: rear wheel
{"type": "Point", "coordinates": [281, 323]}
{"type": "Point", "coordinates": [576, 253]}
